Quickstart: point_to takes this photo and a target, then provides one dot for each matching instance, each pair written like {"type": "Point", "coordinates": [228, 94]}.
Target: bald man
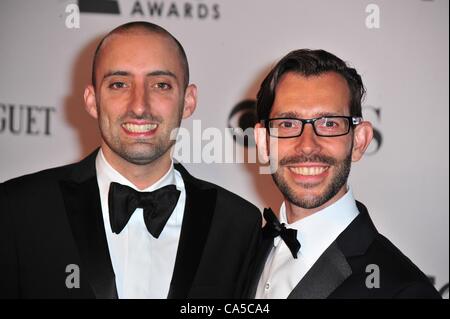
{"type": "Point", "coordinates": [126, 222]}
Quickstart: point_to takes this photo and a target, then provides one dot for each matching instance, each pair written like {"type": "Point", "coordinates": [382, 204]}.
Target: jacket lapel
{"type": "Point", "coordinates": [198, 214]}
{"type": "Point", "coordinates": [332, 267]}
{"type": "Point", "coordinates": [329, 271]}
{"type": "Point", "coordinates": [356, 239]}
{"type": "Point", "coordinates": [82, 202]}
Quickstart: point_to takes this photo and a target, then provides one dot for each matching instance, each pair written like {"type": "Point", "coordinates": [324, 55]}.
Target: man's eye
{"type": "Point", "coordinates": [117, 85]}
{"type": "Point", "coordinates": [327, 123]}
{"type": "Point", "coordinates": [163, 86]}
{"type": "Point", "coordinates": [287, 124]}
{"type": "Point", "coordinates": [331, 124]}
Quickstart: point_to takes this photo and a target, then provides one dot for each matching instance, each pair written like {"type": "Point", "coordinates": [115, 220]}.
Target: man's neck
{"type": "Point", "coordinates": [142, 176]}
{"type": "Point", "coordinates": [295, 213]}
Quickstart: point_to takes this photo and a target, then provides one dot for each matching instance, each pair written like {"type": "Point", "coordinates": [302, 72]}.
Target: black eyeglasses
{"type": "Point", "coordinates": [327, 126]}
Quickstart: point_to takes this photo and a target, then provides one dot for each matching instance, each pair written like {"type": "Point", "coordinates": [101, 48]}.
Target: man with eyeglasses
{"type": "Point", "coordinates": [323, 243]}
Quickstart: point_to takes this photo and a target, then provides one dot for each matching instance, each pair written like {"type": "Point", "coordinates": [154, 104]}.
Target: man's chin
{"type": "Point", "coordinates": [304, 195]}
{"type": "Point", "coordinates": [309, 187]}
{"type": "Point", "coordinates": [143, 159]}
{"type": "Point", "coordinates": [140, 155]}
{"type": "Point", "coordinates": [307, 201]}
{"type": "Point", "coordinates": [140, 161]}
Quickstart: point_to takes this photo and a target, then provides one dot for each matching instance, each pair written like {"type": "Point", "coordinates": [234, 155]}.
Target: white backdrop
{"type": "Point", "coordinates": [401, 48]}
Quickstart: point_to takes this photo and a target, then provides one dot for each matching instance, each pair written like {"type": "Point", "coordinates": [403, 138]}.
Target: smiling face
{"type": "Point", "coordinates": [139, 96]}
{"type": "Point", "coordinates": [312, 170]}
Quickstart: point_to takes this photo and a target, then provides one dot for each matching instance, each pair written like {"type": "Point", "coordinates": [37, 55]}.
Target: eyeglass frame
{"type": "Point", "coordinates": [353, 121]}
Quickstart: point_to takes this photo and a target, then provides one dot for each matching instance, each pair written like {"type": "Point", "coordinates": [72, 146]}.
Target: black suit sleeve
{"type": "Point", "coordinates": [9, 275]}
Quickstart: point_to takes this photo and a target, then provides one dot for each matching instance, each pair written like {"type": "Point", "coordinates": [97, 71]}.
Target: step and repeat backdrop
{"type": "Point", "coordinates": [401, 49]}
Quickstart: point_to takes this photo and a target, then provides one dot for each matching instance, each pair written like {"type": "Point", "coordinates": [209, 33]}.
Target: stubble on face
{"type": "Point", "coordinates": [140, 151]}
{"type": "Point", "coordinates": [306, 97]}
{"type": "Point", "coordinates": [146, 149]}
{"type": "Point", "coordinates": [338, 180]}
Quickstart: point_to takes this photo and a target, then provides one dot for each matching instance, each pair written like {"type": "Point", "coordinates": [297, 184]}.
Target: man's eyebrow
{"type": "Point", "coordinates": [162, 72]}
{"type": "Point", "coordinates": [287, 114]}
{"type": "Point", "coordinates": [320, 114]}
{"type": "Point", "coordinates": [297, 115]}
{"type": "Point", "coordinates": [115, 73]}
{"type": "Point", "coordinates": [126, 73]}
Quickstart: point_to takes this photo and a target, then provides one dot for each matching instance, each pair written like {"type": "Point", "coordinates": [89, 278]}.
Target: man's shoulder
{"type": "Point", "coordinates": [225, 199]}
{"type": "Point", "coordinates": [41, 177]}
{"type": "Point", "coordinates": [50, 175]}
{"type": "Point", "coordinates": [226, 196]}
{"type": "Point", "coordinates": [394, 260]}
{"type": "Point", "coordinates": [398, 274]}
{"type": "Point", "coordinates": [229, 197]}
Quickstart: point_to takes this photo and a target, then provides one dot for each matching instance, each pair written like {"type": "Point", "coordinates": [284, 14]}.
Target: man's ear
{"type": "Point", "coordinates": [361, 139]}
{"type": "Point", "coordinates": [260, 135]}
{"type": "Point", "coordinates": [190, 100]}
{"type": "Point", "coordinates": [90, 103]}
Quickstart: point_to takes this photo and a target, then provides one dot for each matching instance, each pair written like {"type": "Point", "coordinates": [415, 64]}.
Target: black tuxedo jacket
{"type": "Point", "coordinates": [345, 266]}
{"type": "Point", "coordinates": [53, 219]}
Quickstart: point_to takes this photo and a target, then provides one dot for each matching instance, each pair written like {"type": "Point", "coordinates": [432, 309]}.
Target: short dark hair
{"type": "Point", "coordinates": [147, 27]}
{"type": "Point", "coordinates": [307, 63]}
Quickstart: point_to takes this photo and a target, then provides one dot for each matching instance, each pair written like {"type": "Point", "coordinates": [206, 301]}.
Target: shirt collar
{"type": "Point", "coordinates": [108, 174]}
{"type": "Point", "coordinates": [317, 231]}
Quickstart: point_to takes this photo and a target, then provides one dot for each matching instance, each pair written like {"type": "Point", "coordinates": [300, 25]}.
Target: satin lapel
{"type": "Point", "coordinates": [82, 203]}
{"type": "Point", "coordinates": [198, 214]}
{"type": "Point", "coordinates": [359, 235]}
{"type": "Point", "coordinates": [257, 268]}
{"type": "Point", "coordinates": [329, 271]}
{"type": "Point", "coordinates": [332, 268]}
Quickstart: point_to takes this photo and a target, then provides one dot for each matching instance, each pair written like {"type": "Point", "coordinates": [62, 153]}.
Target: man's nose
{"type": "Point", "coordinates": [308, 142]}
{"type": "Point", "coordinates": [139, 101]}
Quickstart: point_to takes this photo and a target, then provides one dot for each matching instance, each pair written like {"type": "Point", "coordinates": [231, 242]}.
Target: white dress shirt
{"type": "Point", "coordinates": [143, 265]}
{"type": "Point", "coordinates": [315, 233]}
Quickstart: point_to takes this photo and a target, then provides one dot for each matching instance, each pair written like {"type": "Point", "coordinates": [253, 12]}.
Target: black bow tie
{"type": "Point", "coordinates": [273, 228]}
{"type": "Point", "coordinates": [158, 206]}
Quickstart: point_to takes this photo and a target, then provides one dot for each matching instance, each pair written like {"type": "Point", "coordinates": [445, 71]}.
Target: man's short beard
{"type": "Point", "coordinates": [147, 157]}
{"type": "Point", "coordinates": [338, 181]}
{"type": "Point", "coordinates": [150, 154]}
{"type": "Point", "coordinates": [146, 154]}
